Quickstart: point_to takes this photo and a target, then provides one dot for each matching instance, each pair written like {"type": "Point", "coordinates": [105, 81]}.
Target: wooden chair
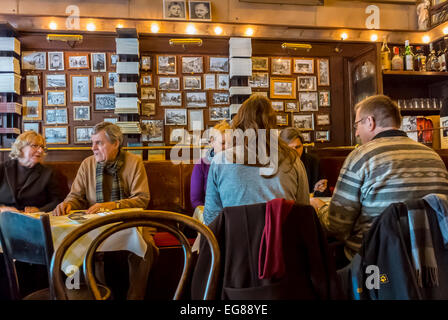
{"type": "Point", "coordinates": [162, 220]}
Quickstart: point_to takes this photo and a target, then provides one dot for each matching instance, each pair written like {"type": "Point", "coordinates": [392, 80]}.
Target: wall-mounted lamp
{"type": "Point", "coordinates": [296, 46]}
{"type": "Point", "coordinates": [71, 39]}
{"type": "Point", "coordinates": [186, 41]}
{"type": "Point", "coordinates": [344, 36]}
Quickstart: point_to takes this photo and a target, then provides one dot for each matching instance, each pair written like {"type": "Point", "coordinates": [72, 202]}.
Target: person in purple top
{"type": "Point", "coordinates": [200, 170]}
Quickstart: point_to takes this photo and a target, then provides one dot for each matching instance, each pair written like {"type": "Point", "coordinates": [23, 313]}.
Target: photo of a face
{"type": "Point", "coordinates": [174, 10]}
{"type": "Point", "coordinates": [200, 10]}
{"type": "Point", "coordinates": [81, 113]}
{"type": "Point", "coordinates": [32, 84]}
{"type": "Point", "coordinates": [56, 61]}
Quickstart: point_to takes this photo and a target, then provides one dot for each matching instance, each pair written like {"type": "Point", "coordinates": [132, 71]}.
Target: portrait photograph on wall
{"type": "Point", "coordinates": [81, 113]}
{"type": "Point", "coordinates": [33, 84]}
{"type": "Point", "coordinates": [80, 88]}
{"type": "Point", "coordinates": [55, 61]}
{"type": "Point", "coordinates": [200, 10]}
{"type": "Point", "coordinates": [174, 10]}
{"type": "Point", "coordinates": [98, 61]}
{"type": "Point", "coordinates": [323, 72]}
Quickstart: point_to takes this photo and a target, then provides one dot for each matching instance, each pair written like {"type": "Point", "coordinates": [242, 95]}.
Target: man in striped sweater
{"type": "Point", "coordinates": [388, 167]}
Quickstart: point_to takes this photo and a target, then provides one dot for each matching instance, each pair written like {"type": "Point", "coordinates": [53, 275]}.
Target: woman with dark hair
{"type": "Point", "coordinates": [259, 167]}
{"type": "Point", "coordinates": [318, 186]}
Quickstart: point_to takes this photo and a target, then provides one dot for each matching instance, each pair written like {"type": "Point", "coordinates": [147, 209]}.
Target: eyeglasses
{"type": "Point", "coordinates": [355, 125]}
{"type": "Point", "coordinates": [37, 146]}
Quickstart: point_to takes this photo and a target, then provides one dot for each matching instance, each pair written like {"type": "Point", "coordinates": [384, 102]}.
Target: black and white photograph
{"type": "Point", "coordinates": [55, 61]}
{"type": "Point", "coordinates": [322, 136]}
{"type": "Point", "coordinates": [55, 81]}
{"type": "Point", "coordinates": [281, 66]}
{"type": "Point", "coordinates": [217, 113]}
{"type": "Point", "coordinates": [113, 60]}
{"type": "Point", "coordinates": [81, 113]}
{"type": "Point", "coordinates": [303, 65]}
{"type": "Point", "coordinates": [324, 98]}
{"type": "Point", "coordinates": [179, 136]}
{"type": "Point", "coordinates": [277, 105]}
{"type": "Point", "coordinates": [220, 98]}
{"type": "Point", "coordinates": [56, 116]}
{"type": "Point", "coordinates": [148, 109]}
{"type": "Point", "coordinates": [169, 83]}
{"type": "Point", "coordinates": [308, 101]}
{"type": "Point", "coordinates": [291, 106]}
{"type": "Point", "coordinates": [303, 121]}
{"type": "Point", "coordinates": [33, 84]}
{"type": "Point", "coordinates": [98, 81]}
{"type": "Point", "coordinates": [146, 63]}
{"type": "Point", "coordinates": [80, 85]}
{"type": "Point", "coordinates": [219, 64]}
{"type": "Point", "coordinates": [195, 120]}
{"type": "Point", "coordinates": [146, 79]}
{"type": "Point", "coordinates": [32, 60]}
{"type": "Point", "coordinates": [223, 82]}
{"type": "Point", "coordinates": [260, 63]}
{"type": "Point", "coordinates": [259, 80]}
{"type": "Point", "coordinates": [323, 119]}
{"type": "Point", "coordinates": [282, 119]}
{"type": "Point", "coordinates": [152, 130]}
{"type": "Point", "coordinates": [56, 135]}
{"type": "Point", "coordinates": [83, 134]}
{"type": "Point", "coordinates": [31, 126]}
{"type": "Point", "coordinates": [98, 61]}
{"type": "Point", "coordinates": [323, 72]}
{"type": "Point", "coordinates": [104, 101]}
{"type": "Point", "coordinates": [32, 108]}
{"type": "Point", "coordinates": [200, 10]}
{"type": "Point", "coordinates": [283, 88]}
{"type": "Point", "coordinates": [192, 82]}
{"type": "Point", "coordinates": [192, 65]}
{"type": "Point", "coordinates": [111, 120]}
{"type": "Point", "coordinates": [148, 93]}
{"type": "Point", "coordinates": [166, 64]}
{"type": "Point", "coordinates": [174, 10]}
{"type": "Point", "coordinates": [55, 98]}
{"type": "Point", "coordinates": [306, 83]}
{"type": "Point", "coordinates": [78, 60]}
{"type": "Point", "coordinates": [209, 81]}
{"type": "Point", "coordinates": [170, 99]}
{"type": "Point", "coordinates": [176, 117]}
{"type": "Point", "coordinates": [196, 99]}
{"type": "Point", "coordinates": [112, 77]}
{"type": "Point", "coordinates": [306, 136]}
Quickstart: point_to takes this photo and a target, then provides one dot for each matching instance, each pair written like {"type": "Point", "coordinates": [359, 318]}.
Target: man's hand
{"type": "Point", "coordinates": [62, 209]}
{"type": "Point", "coordinates": [321, 185]}
{"type": "Point", "coordinates": [31, 210]}
{"type": "Point", "coordinates": [101, 207]}
{"type": "Point", "coordinates": [316, 203]}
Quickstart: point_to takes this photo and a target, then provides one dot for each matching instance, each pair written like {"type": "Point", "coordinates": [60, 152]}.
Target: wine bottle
{"type": "Point", "coordinates": [408, 57]}
{"type": "Point", "coordinates": [397, 61]}
{"type": "Point", "coordinates": [420, 60]}
{"type": "Point", "coordinates": [433, 63]}
{"type": "Point", "coordinates": [385, 56]}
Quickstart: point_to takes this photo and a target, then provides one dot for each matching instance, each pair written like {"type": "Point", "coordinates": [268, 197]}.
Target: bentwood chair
{"type": "Point", "coordinates": [170, 222]}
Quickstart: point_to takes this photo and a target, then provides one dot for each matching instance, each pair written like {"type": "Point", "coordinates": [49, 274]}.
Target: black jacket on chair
{"type": "Point", "coordinates": [310, 272]}
{"type": "Point", "coordinates": [39, 190]}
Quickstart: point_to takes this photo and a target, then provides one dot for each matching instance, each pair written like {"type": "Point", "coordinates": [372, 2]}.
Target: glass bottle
{"type": "Point", "coordinates": [441, 56]}
{"type": "Point", "coordinates": [420, 60]}
{"type": "Point", "coordinates": [385, 56]}
{"type": "Point", "coordinates": [397, 61]}
{"type": "Point", "coordinates": [433, 62]}
{"type": "Point", "coordinates": [445, 51]}
{"type": "Point", "coordinates": [408, 57]}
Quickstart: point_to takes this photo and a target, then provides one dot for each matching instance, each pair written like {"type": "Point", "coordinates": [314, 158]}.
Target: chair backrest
{"type": "Point", "coordinates": [165, 220]}
{"type": "Point", "coordinates": [26, 239]}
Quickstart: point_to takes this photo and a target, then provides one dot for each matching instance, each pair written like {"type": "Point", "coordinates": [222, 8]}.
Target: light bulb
{"type": "Point", "coordinates": [119, 26]}
{"type": "Point", "coordinates": [154, 28]}
{"type": "Point", "coordinates": [249, 32]}
{"type": "Point", "coordinates": [53, 26]}
{"type": "Point", "coordinates": [344, 36]}
{"type": "Point", "coordinates": [91, 27]}
{"type": "Point", "coordinates": [445, 30]}
{"type": "Point", "coordinates": [218, 30]}
{"type": "Point", "coordinates": [426, 39]}
{"type": "Point", "coordinates": [373, 37]}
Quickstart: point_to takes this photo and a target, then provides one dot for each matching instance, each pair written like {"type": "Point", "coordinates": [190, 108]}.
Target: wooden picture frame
{"type": "Point", "coordinates": [200, 10]}
{"type": "Point", "coordinates": [219, 98]}
{"type": "Point", "coordinates": [77, 60]}
{"type": "Point", "coordinates": [281, 66]}
{"type": "Point", "coordinates": [81, 113]}
{"type": "Point", "coordinates": [303, 121]}
{"type": "Point", "coordinates": [291, 106]}
{"type": "Point", "coordinates": [192, 65]}
{"type": "Point", "coordinates": [145, 62]}
{"type": "Point", "coordinates": [219, 113]}
{"type": "Point", "coordinates": [113, 59]}
{"type": "Point", "coordinates": [98, 61]}
{"type": "Point", "coordinates": [278, 106]}
{"type": "Point", "coordinates": [323, 119]}
{"type": "Point", "coordinates": [104, 101]}
{"type": "Point", "coordinates": [31, 108]}
{"type": "Point", "coordinates": [260, 63]}
{"type": "Point", "coordinates": [55, 116]}
{"type": "Point", "coordinates": [322, 136]}
{"type": "Point", "coordinates": [324, 98]}
{"type": "Point", "coordinates": [98, 81]}
{"type": "Point", "coordinates": [55, 98]}
{"type": "Point", "coordinates": [146, 79]}
{"type": "Point", "coordinates": [34, 60]}
{"type": "Point", "coordinates": [112, 77]}
{"type": "Point", "coordinates": [174, 9]}
{"type": "Point", "coordinates": [56, 134]}
{"type": "Point", "coordinates": [177, 135]}
{"type": "Point", "coordinates": [56, 61]}
{"type": "Point", "coordinates": [166, 64]}
{"type": "Point", "coordinates": [306, 83]}
{"type": "Point", "coordinates": [152, 130]}
{"type": "Point", "coordinates": [259, 80]}
{"type": "Point", "coordinates": [308, 101]}
{"type": "Point", "coordinates": [83, 135]}
{"type": "Point", "coordinates": [79, 88]}
{"type": "Point", "coordinates": [170, 99]}
{"type": "Point", "coordinates": [192, 82]}
{"type": "Point", "coordinates": [168, 83]}
{"type": "Point", "coordinates": [196, 99]}
{"type": "Point", "coordinates": [281, 119]}
{"type": "Point", "coordinates": [31, 126]}
{"type": "Point", "coordinates": [33, 83]}
{"type": "Point", "coordinates": [148, 109]}
{"type": "Point", "coordinates": [283, 88]}
{"type": "Point", "coordinates": [303, 65]}
{"type": "Point", "coordinates": [222, 81]}
{"type": "Point", "coordinates": [218, 64]}
{"type": "Point", "coordinates": [148, 93]}
{"type": "Point", "coordinates": [175, 117]}
{"type": "Point", "coordinates": [323, 72]}
{"type": "Point", "coordinates": [55, 80]}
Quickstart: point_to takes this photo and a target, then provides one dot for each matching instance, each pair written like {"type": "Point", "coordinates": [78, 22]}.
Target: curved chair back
{"type": "Point", "coordinates": [165, 220]}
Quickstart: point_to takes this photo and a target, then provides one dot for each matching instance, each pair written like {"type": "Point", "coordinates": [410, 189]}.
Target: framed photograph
{"type": "Point", "coordinates": [169, 83]}
{"type": "Point", "coordinates": [104, 101]}
{"type": "Point", "coordinates": [32, 60]}
{"type": "Point", "coordinates": [112, 77]}
{"type": "Point", "coordinates": [83, 134]}
{"type": "Point", "coordinates": [260, 63]}
{"type": "Point", "coordinates": [31, 126]}
{"type": "Point", "coordinates": [176, 117]}
{"type": "Point", "coordinates": [219, 113]}
{"type": "Point", "coordinates": [76, 61]}
{"type": "Point", "coordinates": [55, 81]}
{"type": "Point", "coordinates": [218, 64]}
{"type": "Point", "coordinates": [281, 66]}
{"type": "Point", "coordinates": [195, 120]}
{"type": "Point", "coordinates": [174, 9]}
{"type": "Point", "coordinates": [200, 10]}
{"type": "Point", "coordinates": [283, 88]}
{"type": "Point", "coordinates": [223, 81]}
{"type": "Point", "coordinates": [308, 101]}
{"type": "Point", "coordinates": [303, 65]}
{"type": "Point", "coordinates": [282, 119]}
{"type": "Point", "coordinates": [152, 130]}
{"type": "Point", "coordinates": [56, 116]}
{"type": "Point", "coordinates": [196, 99]}
{"type": "Point", "coordinates": [147, 93]}
{"type": "Point", "coordinates": [113, 59]}
{"type": "Point", "coordinates": [56, 135]}
{"type": "Point", "coordinates": [33, 83]}
{"type": "Point", "coordinates": [55, 61]}
{"type": "Point", "coordinates": [192, 65]}
{"type": "Point", "coordinates": [259, 80]}
{"type": "Point", "coordinates": [192, 82]}
{"type": "Point", "coordinates": [306, 136]}
{"type": "Point", "coordinates": [170, 99]}
{"type": "Point", "coordinates": [166, 64]}
{"type": "Point", "coordinates": [98, 61]}
{"type": "Point", "coordinates": [98, 81]}
{"type": "Point", "coordinates": [322, 136]}
{"type": "Point", "coordinates": [261, 93]}
{"type": "Point", "coordinates": [81, 113]}
{"type": "Point", "coordinates": [31, 108]}
{"type": "Point", "coordinates": [303, 121]}
{"type": "Point", "coordinates": [323, 119]}
{"type": "Point", "coordinates": [277, 105]}
{"type": "Point", "coordinates": [146, 79]}
{"type": "Point", "coordinates": [323, 72]}
{"type": "Point", "coordinates": [80, 88]}
{"type": "Point", "coordinates": [179, 135]}
{"type": "Point", "coordinates": [291, 106]}
{"type": "Point", "coordinates": [111, 120]}
{"type": "Point", "coordinates": [146, 63]}
{"type": "Point", "coordinates": [209, 81]}
{"type": "Point", "coordinates": [220, 98]}
{"type": "Point", "coordinates": [306, 83]}
{"type": "Point", "coordinates": [324, 98]}
{"type": "Point", "coordinates": [55, 98]}
{"type": "Point", "coordinates": [148, 109]}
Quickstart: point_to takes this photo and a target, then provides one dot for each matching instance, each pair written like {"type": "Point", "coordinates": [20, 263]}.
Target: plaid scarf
{"type": "Point", "coordinates": [111, 168]}
{"type": "Point", "coordinates": [422, 249]}
{"type": "Point", "coordinates": [439, 203]}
